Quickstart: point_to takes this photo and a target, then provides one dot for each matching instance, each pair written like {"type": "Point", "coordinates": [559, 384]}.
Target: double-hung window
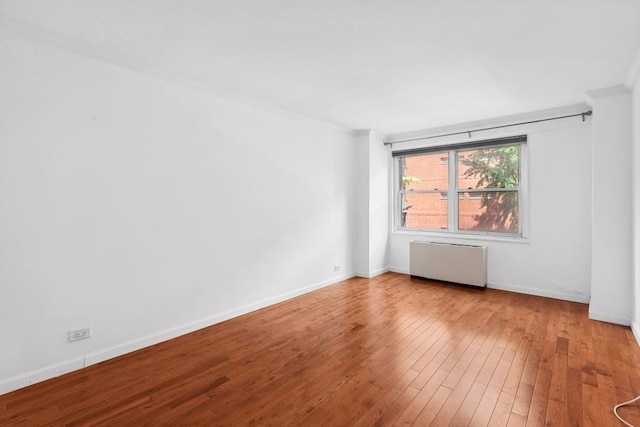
{"type": "Point", "coordinates": [473, 188]}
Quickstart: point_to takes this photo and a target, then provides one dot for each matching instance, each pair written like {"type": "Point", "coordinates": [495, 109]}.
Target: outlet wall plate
{"type": "Point", "coordinates": [79, 334]}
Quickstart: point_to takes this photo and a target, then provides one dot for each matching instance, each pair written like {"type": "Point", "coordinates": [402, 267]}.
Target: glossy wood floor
{"type": "Point", "coordinates": [386, 351]}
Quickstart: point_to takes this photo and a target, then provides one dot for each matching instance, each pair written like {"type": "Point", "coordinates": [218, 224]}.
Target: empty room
{"type": "Point", "coordinates": [338, 213]}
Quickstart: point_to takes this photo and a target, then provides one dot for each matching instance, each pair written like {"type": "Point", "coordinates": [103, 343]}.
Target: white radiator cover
{"type": "Point", "coordinates": [465, 264]}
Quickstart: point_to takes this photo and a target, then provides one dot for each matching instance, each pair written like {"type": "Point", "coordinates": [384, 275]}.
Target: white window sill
{"type": "Point", "coordinates": [461, 236]}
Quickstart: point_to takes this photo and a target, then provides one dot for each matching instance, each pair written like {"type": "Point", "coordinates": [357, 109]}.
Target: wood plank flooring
{"type": "Point", "coordinates": [385, 351]}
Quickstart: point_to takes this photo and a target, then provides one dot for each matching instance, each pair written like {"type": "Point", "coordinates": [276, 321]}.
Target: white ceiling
{"type": "Point", "coordinates": [393, 66]}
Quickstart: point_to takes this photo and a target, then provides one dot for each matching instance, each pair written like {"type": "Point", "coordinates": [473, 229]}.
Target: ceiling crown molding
{"type": "Point", "coordinates": [33, 34]}
{"type": "Point", "coordinates": [607, 91]}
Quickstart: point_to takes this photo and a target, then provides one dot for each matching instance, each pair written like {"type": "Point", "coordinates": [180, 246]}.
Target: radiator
{"type": "Point", "coordinates": [463, 264]}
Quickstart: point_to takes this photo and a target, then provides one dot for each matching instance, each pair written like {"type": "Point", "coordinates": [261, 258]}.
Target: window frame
{"type": "Point", "coordinates": [452, 151]}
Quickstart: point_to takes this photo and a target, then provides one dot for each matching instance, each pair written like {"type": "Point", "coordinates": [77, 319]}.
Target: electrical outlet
{"type": "Point", "coordinates": [336, 268]}
{"type": "Point", "coordinates": [79, 334]}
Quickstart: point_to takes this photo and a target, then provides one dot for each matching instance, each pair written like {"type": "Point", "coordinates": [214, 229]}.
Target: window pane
{"type": "Point", "coordinates": [423, 210]}
{"type": "Point", "coordinates": [489, 211]}
{"type": "Point", "coordinates": [495, 167]}
{"type": "Point", "coordinates": [425, 172]}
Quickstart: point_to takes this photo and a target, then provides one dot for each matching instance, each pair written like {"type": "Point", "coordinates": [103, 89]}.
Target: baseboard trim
{"type": "Point", "coordinates": [372, 274]}
{"type": "Point", "coordinates": [399, 270]}
{"type": "Point", "coordinates": [110, 353]}
{"type": "Point", "coordinates": [584, 299]}
{"type": "Point", "coordinates": [610, 318]}
{"type": "Point", "coordinates": [52, 371]}
{"type": "Point", "coordinates": [635, 328]}
{"type": "Point", "coordinates": [39, 375]}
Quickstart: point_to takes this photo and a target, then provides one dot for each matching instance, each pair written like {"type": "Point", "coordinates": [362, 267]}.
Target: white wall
{"type": "Point", "coordinates": [633, 82]}
{"type": "Point", "coordinates": [554, 260]}
{"type": "Point", "coordinates": [146, 209]}
{"type": "Point", "coordinates": [373, 204]}
{"type": "Point", "coordinates": [612, 200]}
{"type": "Point", "coordinates": [361, 224]}
{"type": "Point", "coordinates": [378, 204]}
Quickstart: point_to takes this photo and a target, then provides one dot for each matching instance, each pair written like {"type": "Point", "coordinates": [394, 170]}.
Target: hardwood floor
{"type": "Point", "coordinates": [384, 351]}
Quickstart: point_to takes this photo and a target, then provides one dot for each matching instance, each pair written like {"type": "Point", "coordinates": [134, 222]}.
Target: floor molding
{"type": "Point", "coordinates": [55, 370]}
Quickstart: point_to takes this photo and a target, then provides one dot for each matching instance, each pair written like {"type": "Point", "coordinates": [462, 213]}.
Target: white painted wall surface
{"type": "Point", "coordinates": [378, 204]}
{"type": "Point", "coordinates": [361, 224]}
{"type": "Point", "coordinates": [612, 201]}
{"type": "Point", "coordinates": [372, 224]}
{"type": "Point", "coordinates": [634, 83]}
{"type": "Point", "coordinates": [554, 260]}
{"type": "Point", "coordinates": [145, 209]}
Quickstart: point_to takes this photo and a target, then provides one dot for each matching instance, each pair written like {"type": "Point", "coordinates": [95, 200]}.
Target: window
{"type": "Point", "coordinates": [485, 176]}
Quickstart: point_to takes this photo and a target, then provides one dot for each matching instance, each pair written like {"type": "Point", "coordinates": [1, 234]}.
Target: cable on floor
{"type": "Point", "coordinates": [615, 410]}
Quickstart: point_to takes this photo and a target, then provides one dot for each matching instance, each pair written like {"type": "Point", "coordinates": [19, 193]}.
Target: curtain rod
{"type": "Point", "coordinates": [583, 114]}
